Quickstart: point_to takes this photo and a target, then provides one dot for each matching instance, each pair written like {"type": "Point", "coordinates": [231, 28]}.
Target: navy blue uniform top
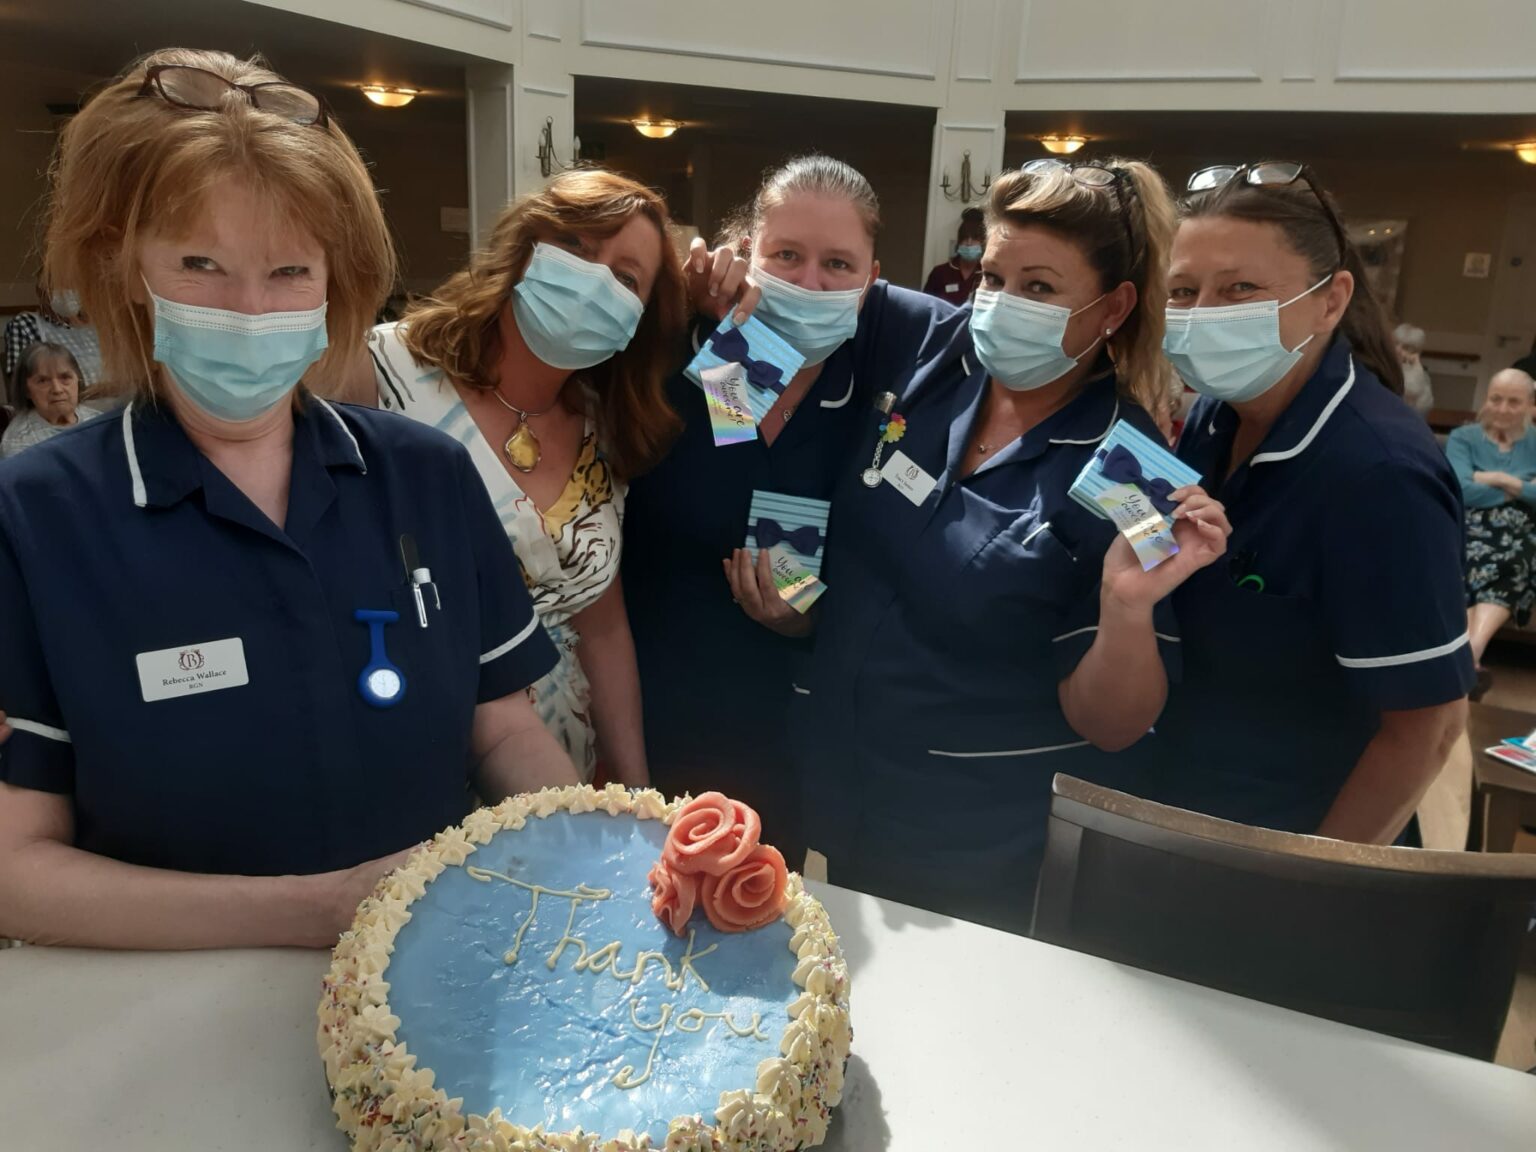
{"type": "Point", "coordinates": [1341, 598]}
{"type": "Point", "coordinates": [120, 539]}
{"type": "Point", "coordinates": [715, 682]}
{"type": "Point", "coordinates": [933, 725]}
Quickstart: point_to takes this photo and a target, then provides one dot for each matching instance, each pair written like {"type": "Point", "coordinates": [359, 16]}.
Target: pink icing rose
{"type": "Point", "coordinates": [711, 835]}
{"type": "Point", "coordinates": [673, 896]}
{"type": "Point", "coordinates": [750, 895]}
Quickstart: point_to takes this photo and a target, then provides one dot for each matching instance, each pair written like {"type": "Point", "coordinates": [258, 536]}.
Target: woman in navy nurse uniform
{"type": "Point", "coordinates": [717, 685]}
{"type": "Point", "coordinates": [1325, 665]}
{"type": "Point", "coordinates": [232, 704]}
{"type": "Point", "coordinates": [981, 631]}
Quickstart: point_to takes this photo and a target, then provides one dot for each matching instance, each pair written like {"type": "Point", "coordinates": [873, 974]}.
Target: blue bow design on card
{"type": "Point", "coordinates": [730, 345]}
{"type": "Point", "coordinates": [805, 540]}
{"type": "Point", "coordinates": [1121, 466]}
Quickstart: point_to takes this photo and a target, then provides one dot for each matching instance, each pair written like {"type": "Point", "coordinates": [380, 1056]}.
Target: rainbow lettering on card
{"type": "Point", "coordinates": [1148, 530]}
{"type": "Point", "coordinates": [795, 583]}
{"type": "Point", "coordinates": [730, 413]}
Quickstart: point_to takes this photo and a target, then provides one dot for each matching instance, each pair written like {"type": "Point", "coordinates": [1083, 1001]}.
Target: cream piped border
{"type": "Point", "coordinates": [385, 1103]}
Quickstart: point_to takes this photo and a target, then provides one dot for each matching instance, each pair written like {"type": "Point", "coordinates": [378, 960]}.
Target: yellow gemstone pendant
{"type": "Point", "coordinates": [522, 448]}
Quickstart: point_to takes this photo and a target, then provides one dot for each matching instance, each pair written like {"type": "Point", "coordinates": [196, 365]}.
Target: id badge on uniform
{"type": "Point", "coordinates": [908, 478]}
{"type": "Point", "coordinates": [192, 669]}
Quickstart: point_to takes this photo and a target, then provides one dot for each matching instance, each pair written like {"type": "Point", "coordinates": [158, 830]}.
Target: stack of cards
{"type": "Point", "coordinates": [793, 530]}
{"type": "Point", "coordinates": [742, 370]}
{"type": "Point", "coordinates": [1129, 481]}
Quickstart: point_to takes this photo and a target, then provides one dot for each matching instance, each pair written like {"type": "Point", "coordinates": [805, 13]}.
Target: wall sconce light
{"type": "Point", "coordinates": [549, 163]}
{"type": "Point", "coordinates": [1062, 145]}
{"type": "Point", "coordinates": [1527, 151]}
{"type": "Point", "coordinates": [968, 190]}
{"type": "Point", "coordinates": [656, 129]}
{"type": "Point", "coordinates": [388, 97]}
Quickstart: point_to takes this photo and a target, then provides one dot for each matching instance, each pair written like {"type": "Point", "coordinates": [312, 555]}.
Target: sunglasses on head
{"type": "Point", "coordinates": [1270, 174]}
{"type": "Point", "coordinates": [1092, 174]}
{"type": "Point", "coordinates": [204, 91]}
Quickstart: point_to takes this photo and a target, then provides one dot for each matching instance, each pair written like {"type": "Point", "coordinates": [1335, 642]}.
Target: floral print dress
{"type": "Point", "coordinates": [569, 552]}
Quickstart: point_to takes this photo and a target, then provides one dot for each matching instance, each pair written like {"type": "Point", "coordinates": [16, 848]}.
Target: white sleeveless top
{"type": "Point", "coordinates": [569, 553]}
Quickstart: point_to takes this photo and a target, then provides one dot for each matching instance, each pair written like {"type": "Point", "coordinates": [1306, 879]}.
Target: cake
{"type": "Point", "coordinates": [574, 970]}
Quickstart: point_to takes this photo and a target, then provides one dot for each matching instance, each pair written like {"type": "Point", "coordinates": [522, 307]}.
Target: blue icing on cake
{"type": "Point", "coordinates": [545, 1045]}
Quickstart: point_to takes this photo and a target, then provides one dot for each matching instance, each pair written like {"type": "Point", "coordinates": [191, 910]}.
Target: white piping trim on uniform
{"type": "Point", "coordinates": [1039, 528]}
{"type": "Point", "coordinates": [1338, 398]}
{"type": "Point", "coordinates": [966, 364]}
{"type": "Point", "coordinates": [799, 691]}
{"type": "Point", "coordinates": [1010, 752]}
{"type": "Point", "coordinates": [37, 729]}
{"type": "Point", "coordinates": [847, 396]}
{"type": "Point", "coordinates": [1095, 628]}
{"type": "Point", "coordinates": [335, 415]}
{"type": "Point", "coordinates": [1406, 658]}
{"type": "Point", "coordinates": [501, 650]}
{"type": "Point", "coordinates": [1099, 438]}
{"type": "Point", "coordinates": [1074, 632]}
{"type": "Point", "coordinates": [140, 496]}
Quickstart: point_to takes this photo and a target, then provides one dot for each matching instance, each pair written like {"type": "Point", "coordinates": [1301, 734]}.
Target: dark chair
{"type": "Point", "coordinates": [1414, 943]}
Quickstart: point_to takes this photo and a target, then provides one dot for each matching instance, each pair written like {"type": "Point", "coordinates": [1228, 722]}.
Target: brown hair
{"type": "Point", "coordinates": [456, 329]}
{"type": "Point", "coordinates": [127, 167]}
{"type": "Point", "coordinates": [1303, 219]}
{"type": "Point", "coordinates": [810, 175]}
{"type": "Point", "coordinates": [1097, 219]}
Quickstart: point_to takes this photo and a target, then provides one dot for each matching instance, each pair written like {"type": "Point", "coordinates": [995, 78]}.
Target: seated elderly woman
{"type": "Point", "coordinates": [45, 396]}
{"type": "Point", "coordinates": [260, 709]}
{"type": "Point", "coordinates": [1495, 460]}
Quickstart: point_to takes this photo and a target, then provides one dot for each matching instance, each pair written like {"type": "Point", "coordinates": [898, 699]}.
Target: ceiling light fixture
{"type": "Point", "coordinates": [1527, 151]}
{"type": "Point", "coordinates": [1063, 145]}
{"type": "Point", "coordinates": [656, 129]}
{"type": "Point", "coordinates": [386, 96]}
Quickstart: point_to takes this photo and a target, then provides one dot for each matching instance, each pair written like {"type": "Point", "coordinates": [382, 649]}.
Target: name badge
{"type": "Point", "coordinates": [192, 669]}
{"type": "Point", "coordinates": [951, 287]}
{"type": "Point", "coordinates": [907, 478]}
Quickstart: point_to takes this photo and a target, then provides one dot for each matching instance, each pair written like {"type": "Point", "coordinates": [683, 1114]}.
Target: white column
{"type": "Point", "coordinates": [490, 96]}
{"type": "Point", "coordinates": [971, 120]}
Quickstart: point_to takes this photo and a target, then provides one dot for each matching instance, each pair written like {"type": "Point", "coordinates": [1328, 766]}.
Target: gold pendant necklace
{"type": "Point", "coordinates": [522, 447]}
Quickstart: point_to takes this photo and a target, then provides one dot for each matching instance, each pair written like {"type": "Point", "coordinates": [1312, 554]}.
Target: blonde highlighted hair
{"type": "Point", "coordinates": [1125, 230]}
{"type": "Point", "coordinates": [129, 166]}
{"type": "Point", "coordinates": [458, 329]}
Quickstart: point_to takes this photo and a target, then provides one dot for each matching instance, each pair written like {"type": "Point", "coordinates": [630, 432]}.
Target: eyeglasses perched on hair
{"type": "Point", "coordinates": [205, 91]}
{"type": "Point", "coordinates": [1092, 174]}
{"type": "Point", "coordinates": [1270, 174]}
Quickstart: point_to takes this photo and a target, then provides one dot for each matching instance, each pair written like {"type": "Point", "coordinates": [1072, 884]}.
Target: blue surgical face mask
{"type": "Point", "coordinates": [971, 252]}
{"type": "Point", "coordinates": [234, 366]}
{"type": "Point", "coordinates": [814, 323]}
{"type": "Point", "coordinates": [1233, 352]}
{"type": "Point", "coordinates": [573, 313]}
{"type": "Point", "coordinates": [65, 303]}
{"type": "Point", "coordinates": [1018, 341]}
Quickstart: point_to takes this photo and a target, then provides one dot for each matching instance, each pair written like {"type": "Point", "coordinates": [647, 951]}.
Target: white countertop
{"type": "Point", "coordinates": [964, 1039]}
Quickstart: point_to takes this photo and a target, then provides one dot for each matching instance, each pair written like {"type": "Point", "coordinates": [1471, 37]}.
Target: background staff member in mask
{"type": "Point", "coordinates": [1325, 665]}
{"type": "Point", "coordinates": [955, 280]}
{"type": "Point", "coordinates": [547, 359]}
{"type": "Point", "coordinates": [982, 631]}
{"type": "Point", "coordinates": [263, 706]}
{"type": "Point", "coordinates": [717, 684]}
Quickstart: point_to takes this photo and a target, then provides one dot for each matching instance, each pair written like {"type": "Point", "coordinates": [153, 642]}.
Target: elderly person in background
{"type": "Point", "coordinates": [1410, 350]}
{"type": "Point", "coordinates": [1495, 460]}
{"type": "Point", "coordinates": [45, 392]}
{"type": "Point", "coordinates": [60, 320]}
